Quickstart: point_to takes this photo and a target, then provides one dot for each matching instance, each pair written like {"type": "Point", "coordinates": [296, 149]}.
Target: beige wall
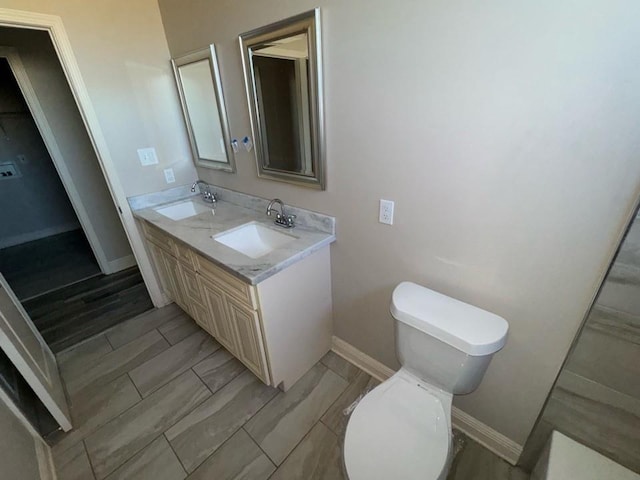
{"type": "Point", "coordinates": [123, 57]}
{"type": "Point", "coordinates": [18, 460]}
{"type": "Point", "coordinates": [54, 95]}
{"type": "Point", "coordinates": [507, 134]}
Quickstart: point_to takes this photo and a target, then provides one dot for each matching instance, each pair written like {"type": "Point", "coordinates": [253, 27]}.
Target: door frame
{"type": "Point", "coordinates": [31, 98]}
{"type": "Point", "coordinates": [54, 26]}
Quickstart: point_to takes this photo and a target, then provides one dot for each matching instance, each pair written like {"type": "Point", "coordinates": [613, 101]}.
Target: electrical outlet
{"type": "Point", "coordinates": [8, 171]}
{"type": "Point", "coordinates": [169, 176]}
{"type": "Point", "coordinates": [386, 212]}
{"type": "Point", "coordinates": [147, 156]}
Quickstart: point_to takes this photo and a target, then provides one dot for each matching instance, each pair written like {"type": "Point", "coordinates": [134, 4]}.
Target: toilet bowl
{"type": "Point", "coordinates": [401, 429]}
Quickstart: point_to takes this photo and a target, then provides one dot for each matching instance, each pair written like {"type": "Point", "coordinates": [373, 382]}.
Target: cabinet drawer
{"type": "Point", "coordinates": [183, 253]}
{"type": "Point", "coordinates": [233, 286]}
{"type": "Point", "coordinates": [158, 237]}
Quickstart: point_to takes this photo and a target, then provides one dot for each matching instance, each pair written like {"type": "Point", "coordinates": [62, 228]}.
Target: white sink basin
{"type": "Point", "coordinates": [182, 210]}
{"type": "Point", "coordinates": [253, 239]}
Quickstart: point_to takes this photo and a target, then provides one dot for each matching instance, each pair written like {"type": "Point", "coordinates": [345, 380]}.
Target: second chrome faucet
{"type": "Point", "coordinates": [282, 219]}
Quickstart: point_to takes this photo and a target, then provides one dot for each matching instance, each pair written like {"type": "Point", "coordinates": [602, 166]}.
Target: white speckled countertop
{"type": "Point", "coordinates": [312, 232]}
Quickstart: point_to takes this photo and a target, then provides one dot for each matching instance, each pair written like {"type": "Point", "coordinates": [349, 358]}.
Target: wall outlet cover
{"type": "Point", "coordinates": [169, 176]}
{"type": "Point", "coordinates": [9, 171]}
{"type": "Point", "coordinates": [386, 212]}
{"type": "Point", "coordinates": [147, 156]}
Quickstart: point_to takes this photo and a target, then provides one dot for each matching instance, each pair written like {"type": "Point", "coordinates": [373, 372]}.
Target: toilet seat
{"type": "Point", "coordinates": [399, 430]}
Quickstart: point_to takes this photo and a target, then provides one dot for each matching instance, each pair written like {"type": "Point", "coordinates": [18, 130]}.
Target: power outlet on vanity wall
{"type": "Point", "coordinates": [169, 176]}
{"type": "Point", "coordinates": [385, 214]}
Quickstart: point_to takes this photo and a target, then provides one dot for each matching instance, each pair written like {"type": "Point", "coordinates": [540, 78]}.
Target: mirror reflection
{"type": "Point", "coordinates": [282, 71]}
{"type": "Point", "coordinates": [198, 81]}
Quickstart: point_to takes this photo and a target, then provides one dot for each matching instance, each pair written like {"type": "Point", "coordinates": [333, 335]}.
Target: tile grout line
{"type": "Point", "coordinates": [135, 405]}
{"type": "Point", "coordinates": [86, 452]}
{"type": "Point", "coordinates": [164, 434]}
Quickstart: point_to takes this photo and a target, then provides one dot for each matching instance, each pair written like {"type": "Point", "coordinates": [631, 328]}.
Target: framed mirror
{"type": "Point", "coordinates": [283, 75]}
{"type": "Point", "coordinates": [200, 89]}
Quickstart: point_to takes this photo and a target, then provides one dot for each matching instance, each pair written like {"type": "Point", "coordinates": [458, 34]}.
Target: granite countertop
{"type": "Point", "coordinates": [196, 232]}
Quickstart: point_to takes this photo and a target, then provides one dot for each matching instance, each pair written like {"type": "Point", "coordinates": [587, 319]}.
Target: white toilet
{"type": "Point", "coordinates": [401, 430]}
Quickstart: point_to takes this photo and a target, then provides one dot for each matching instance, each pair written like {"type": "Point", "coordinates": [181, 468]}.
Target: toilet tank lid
{"type": "Point", "coordinates": [465, 327]}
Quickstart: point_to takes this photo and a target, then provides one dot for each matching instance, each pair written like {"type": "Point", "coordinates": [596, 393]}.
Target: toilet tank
{"type": "Point", "coordinates": [443, 341]}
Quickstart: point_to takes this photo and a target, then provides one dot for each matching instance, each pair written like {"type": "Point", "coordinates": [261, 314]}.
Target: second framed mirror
{"type": "Point", "coordinates": [283, 75]}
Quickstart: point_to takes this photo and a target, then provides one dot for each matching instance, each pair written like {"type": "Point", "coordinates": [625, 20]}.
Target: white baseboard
{"type": "Point", "coordinates": [121, 264]}
{"type": "Point", "coordinates": [13, 240]}
{"type": "Point", "coordinates": [483, 434]}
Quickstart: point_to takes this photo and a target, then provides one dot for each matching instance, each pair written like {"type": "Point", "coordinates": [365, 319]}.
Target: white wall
{"type": "Point", "coordinates": [49, 82]}
{"type": "Point", "coordinates": [36, 204]}
{"type": "Point", "coordinates": [506, 132]}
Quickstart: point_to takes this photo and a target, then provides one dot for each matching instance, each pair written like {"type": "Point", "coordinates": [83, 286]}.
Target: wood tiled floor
{"type": "Point", "coordinates": [71, 314]}
{"type": "Point", "coordinates": [156, 398]}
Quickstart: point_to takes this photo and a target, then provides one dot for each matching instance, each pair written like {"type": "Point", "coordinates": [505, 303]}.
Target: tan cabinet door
{"type": "Point", "coordinates": [218, 315]}
{"type": "Point", "coordinates": [246, 325]}
{"type": "Point", "coordinates": [161, 270]}
{"type": "Point", "coordinates": [175, 277]}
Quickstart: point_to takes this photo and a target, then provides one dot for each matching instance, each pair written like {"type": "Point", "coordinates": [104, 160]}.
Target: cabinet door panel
{"type": "Point", "coordinates": [246, 324]}
{"type": "Point", "coordinates": [218, 315]}
{"type": "Point", "coordinates": [175, 275]}
{"type": "Point", "coordinates": [192, 286]}
{"type": "Point", "coordinates": [161, 270]}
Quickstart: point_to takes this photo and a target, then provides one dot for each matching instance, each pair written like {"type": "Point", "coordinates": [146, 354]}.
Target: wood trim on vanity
{"type": "Point", "coordinates": [483, 434]}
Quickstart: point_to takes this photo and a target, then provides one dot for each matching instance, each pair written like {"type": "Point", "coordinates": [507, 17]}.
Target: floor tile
{"type": "Point", "coordinates": [137, 326]}
{"type": "Point", "coordinates": [219, 369]}
{"type": "Point", "coordinates": [475, 462]}
{"type": "Point", "coordinates": [155, 462]}
{"type": "Point", "coordinates": [118, 362]}
{"type": "Point", "coordinates": [73, 464]}
{"type": "Point", "coordinates": [72, 360]}
{"type": "Point", "coordinates": [280, 425]}
{"type": "Point", "coordinates": [335, 418]}
{"type": "Point", "coordinates": [95, 407]}
{"type": "Point", "coordinates": [121, 438]}
{"type": "Point", "coordinates": [239, 458]}
{"type": "Point", "coordinates": [201, 432]}
{"type": "Point", "coordinates": [178, 328]}
{"type": "Point", "coordinates": [339, 365]}
{"type": "Point", "coordinates": [317, 457]}
{"type": "Point", "coordinates": [177, 359]}
{"type": "Point", "coordinates": [607, 359]}
{"type": "Point", "coordinates": [598, 417]}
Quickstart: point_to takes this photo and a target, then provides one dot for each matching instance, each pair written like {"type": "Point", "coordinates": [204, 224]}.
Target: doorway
{"type": "Point", "coordinates": [42, 244]}
{"type": "Point", "coordinates": [63, 248]}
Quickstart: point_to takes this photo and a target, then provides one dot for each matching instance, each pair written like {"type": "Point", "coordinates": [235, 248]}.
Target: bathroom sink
{"type": "Point", "coordinates": [182, 210]}
{"type": "Point", "coordinates": [253, 239]}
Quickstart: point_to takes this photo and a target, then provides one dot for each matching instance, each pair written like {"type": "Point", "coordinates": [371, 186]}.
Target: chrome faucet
{"type": "Point", "coordinates": [282, 219]}
{"type": "Point", "coordinates": [207, 195]}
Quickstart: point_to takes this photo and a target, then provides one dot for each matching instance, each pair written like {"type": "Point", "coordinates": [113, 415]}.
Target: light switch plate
{"type": "Point", "coordinates": [386, 212]}
{"type": "Point", "coordinates": [169, 176]}
{"type": "Point", "coordinates": [147, 156]}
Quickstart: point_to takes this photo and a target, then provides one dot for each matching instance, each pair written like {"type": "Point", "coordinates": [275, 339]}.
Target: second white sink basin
{"type": "Point", "coordinates": [182, 210]}
{"type": "Point", "coordinates": [253, 239]}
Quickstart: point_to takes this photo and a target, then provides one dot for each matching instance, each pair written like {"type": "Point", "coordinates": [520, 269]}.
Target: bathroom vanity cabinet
{"type": "Point", "coordinates": [278, 328]}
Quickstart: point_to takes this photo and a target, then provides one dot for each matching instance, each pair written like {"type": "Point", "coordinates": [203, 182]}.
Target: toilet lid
{"type": "Point", "coordinates": [398, 431]}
